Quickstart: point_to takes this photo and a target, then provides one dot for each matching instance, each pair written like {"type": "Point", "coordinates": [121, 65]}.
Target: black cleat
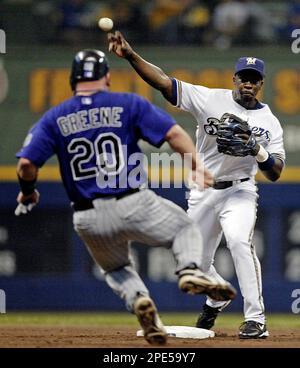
{"type": "Point", "coordinates": [253, 330]}
{"type": "Point", "coordinates": [208, 316]}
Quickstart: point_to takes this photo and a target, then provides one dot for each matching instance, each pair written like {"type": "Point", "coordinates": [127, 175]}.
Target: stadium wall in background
{"type": "Point", "coordinates": [44, 265]}
{"type": "Point", "coordinates": [39, 78]}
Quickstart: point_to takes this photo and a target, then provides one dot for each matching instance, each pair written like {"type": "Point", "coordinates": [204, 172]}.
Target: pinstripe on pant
{"type": "Point", "coordinates": [108, 228]}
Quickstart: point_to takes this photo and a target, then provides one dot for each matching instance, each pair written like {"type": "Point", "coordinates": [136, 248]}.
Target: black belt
{"type": "Point", "coordinates": [87, 204]}
{"type": "Point", "coordinates": [227, 184]}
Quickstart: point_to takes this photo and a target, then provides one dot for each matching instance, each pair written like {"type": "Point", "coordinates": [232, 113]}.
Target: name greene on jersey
{"type": "Point", "coordinates": [90, 119]}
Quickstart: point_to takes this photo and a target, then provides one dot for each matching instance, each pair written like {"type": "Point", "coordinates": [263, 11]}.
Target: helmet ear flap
{"type": "Point", "coordinates": [88, 65]}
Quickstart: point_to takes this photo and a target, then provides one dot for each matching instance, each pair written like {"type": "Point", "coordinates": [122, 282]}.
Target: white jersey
{"type": "Point", "coordinates": [208, 105]}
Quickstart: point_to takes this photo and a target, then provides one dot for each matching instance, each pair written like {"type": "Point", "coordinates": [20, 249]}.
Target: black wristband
{"type": "Point", "coordinates": [268, 164]}
{"type": "Point", "coordinates": [27, 186]}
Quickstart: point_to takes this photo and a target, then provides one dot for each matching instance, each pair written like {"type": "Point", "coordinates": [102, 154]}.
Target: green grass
{"type": "Point", "coordinates": [113, 319]}
{"type": "Point", "coordinates": [67, 319]}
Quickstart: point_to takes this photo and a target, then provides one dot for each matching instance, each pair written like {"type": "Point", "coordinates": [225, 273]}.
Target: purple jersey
{"type": "Point", "coordinates": [96, 141]}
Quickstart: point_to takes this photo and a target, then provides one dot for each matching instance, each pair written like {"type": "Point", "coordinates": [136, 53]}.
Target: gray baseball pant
{"type": "Point", "coordinates": [108, 228]}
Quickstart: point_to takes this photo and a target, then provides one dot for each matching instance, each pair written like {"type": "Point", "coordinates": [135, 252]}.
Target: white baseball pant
{"type": "Point", "coordinates": [231, 211]}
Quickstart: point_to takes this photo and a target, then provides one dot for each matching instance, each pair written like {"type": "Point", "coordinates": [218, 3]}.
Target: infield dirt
{"type": "Point", "coordinates": [125, 337]}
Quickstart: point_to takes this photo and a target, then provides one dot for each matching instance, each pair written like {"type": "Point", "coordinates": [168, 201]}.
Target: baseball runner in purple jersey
{"type": "Point", "coordinates": [95, 136]}
{"type": "Point", "coordinates": [236, 134]}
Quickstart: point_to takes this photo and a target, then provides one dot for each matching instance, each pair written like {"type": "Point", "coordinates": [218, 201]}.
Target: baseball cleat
{"type": "Point", "coordinates": [253, 330]}
{"type": "Point", "coordinates": [209, 315]}
{"type": "Point", "coordinates": [146, 312]}
{"type": "Point", "coordinates": [193, 281]}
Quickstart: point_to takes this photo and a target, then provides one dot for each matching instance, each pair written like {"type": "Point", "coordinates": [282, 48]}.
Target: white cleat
{"type": "Point", "coordinates": [193, 281]}
{"type": "Point", "coordinates": [146, 312]}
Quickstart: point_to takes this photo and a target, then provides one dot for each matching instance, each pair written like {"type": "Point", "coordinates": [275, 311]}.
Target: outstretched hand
{"type": "Point", "coordinates": [118, 44]}
{"type": "Point", "coordinates": [26, 203]}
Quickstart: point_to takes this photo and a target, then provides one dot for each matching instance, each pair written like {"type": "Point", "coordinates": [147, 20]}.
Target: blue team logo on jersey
{"type": "Point", "coordinates": [211, 128]}
{"type": "Point", "coordinates": [262, 133]}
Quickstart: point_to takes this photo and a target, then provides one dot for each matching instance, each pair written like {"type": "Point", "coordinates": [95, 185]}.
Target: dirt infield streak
{"type": "Point", "coordinates": [124, 337]}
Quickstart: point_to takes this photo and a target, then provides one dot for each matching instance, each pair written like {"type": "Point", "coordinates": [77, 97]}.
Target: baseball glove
{"type": "Point", "coordinates": [235, 137]}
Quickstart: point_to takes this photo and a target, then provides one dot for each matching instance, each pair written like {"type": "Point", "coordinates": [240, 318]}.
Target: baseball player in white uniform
{"type": "Point", "coordinates": [229, 207]}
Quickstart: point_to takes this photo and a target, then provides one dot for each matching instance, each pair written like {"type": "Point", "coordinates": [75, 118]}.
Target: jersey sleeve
{"type": "Point", "coordinates": [190, 97]}
{"type": "Point", "coordinates": [276, 147]}
{"type": "Point", "coordinates": [151, 122]}
{"type": "Point", "coordinates": [39, 145]}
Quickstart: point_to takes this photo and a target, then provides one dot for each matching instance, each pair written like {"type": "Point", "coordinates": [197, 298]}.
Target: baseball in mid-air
{"type": "Point", "coordinates": [106, 24]}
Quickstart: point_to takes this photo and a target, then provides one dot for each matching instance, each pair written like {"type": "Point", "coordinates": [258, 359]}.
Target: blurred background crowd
{"type": "Point", "coordinates": [218, 23]}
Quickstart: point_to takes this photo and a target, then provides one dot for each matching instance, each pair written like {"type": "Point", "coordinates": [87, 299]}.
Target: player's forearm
{"type": "Point", "coordinates": [28, 196]}
{"type": "Point", "coordinates": [274, 172]}
{"type": "Point", "coordinates": [182, 143]}
{"type": "Point", "coordinates": [26, 170]}
{"type": "Point", "coordinates": [151, 74]}
{"type": "Point", "coordinates": [270, 165]}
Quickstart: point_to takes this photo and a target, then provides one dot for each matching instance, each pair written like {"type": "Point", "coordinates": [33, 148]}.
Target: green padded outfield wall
{"type": "Point", "coordinates": [38, 78]}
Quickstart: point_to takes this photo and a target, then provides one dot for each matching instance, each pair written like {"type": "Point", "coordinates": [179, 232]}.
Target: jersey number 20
{"type": "Point", "coordinates": [106, 149]}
